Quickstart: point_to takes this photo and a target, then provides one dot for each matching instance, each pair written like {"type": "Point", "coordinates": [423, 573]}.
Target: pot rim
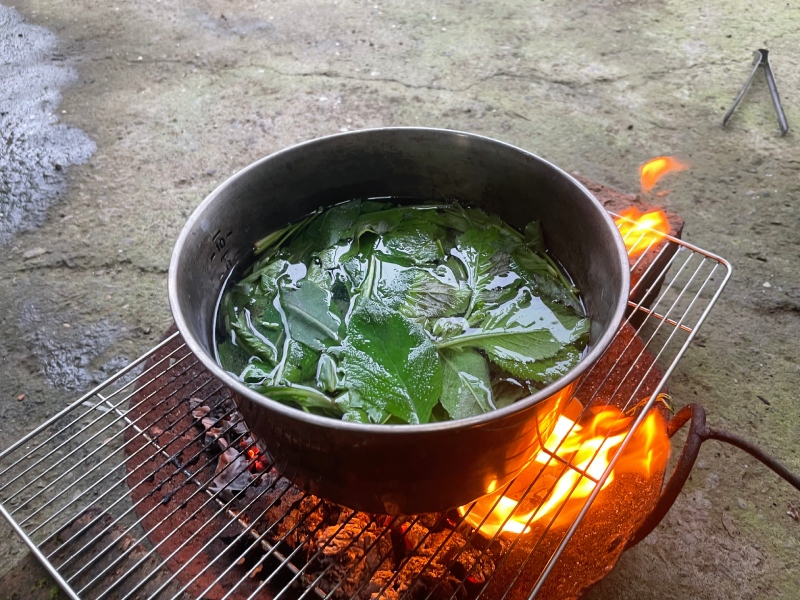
{"type": "Point", "coordinates": [290, 412]}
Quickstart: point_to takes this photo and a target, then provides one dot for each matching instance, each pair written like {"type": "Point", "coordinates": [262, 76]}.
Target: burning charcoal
{"type": "Point", "coordinates": [352, 550]}
{"type": "Point", "coordinates": [281, 499]}
{"type": "Point", "coordinates": [430, 520]}
{"type": "Point", "coordinates": [213, 435]}
{"type": "Point", "coordinates": [413, 536]}
{"type": "Point", "coordinates": [297, 527]}
{"type": "Point", "coordinates": [452, 551]}
{"type": "Point", "coordinates": [232, 474]}
{"type": "Point", "coordinates": [195, 403]}
{"type": "Point", "coordinates": [375, 588]}
{"type": "Point", "coordinates": [441, 545]}
{"type": "Point", "coordinates": [416, 576]}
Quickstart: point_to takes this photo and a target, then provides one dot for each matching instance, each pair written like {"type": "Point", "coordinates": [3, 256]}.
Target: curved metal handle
{"type": "Point", "coordinates": [699, 433]}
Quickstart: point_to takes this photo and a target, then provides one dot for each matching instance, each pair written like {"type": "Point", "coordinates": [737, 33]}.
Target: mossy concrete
{"type": "Point", "coordinates": [177, 96]}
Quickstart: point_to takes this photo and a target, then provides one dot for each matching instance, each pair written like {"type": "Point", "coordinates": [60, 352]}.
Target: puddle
{"type": "Point", "coordinates": [71, 358]}
{"type": "Point", "coordinates": [35, 149]}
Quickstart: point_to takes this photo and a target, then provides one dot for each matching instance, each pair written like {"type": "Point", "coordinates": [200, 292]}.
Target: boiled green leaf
{"type": "Point", "coordinates": [301, 363]}
{"type": "Point", "coordinates": [545, 370]}
{"type": "Point", "coordinates": [257, 372]}
{"type": "Point", "coordinates": [324, 230]}
{"type": "Point", "coordinates": [389, 362]}
{"type": "Point", "coordinates": [466, 388]}
{"type": "Point", "coordinates": [506, 391]}
{"type": "Point", "coordinates": [356, 409]}
{"type": "Point", "coordinates": [420, 293]}
{"type": "Point", "coordinates": [544, 278]}
{"type": "Point", "coordinates": [524, 332]}
{"type": "Point", "coordinates": [327, 375]}
{"type": "Point", "coordinates": [533, 236]}
{"type": "Point", "coordinates": [244, 335]}
{"type": "Point", "coordinates": [233, 358]}
{"type": "Point", "coordinates": [485, 254]}
{"type": "Point", "coordinates": [415, 240]}
{"type": "Point", "coordinates": [307, 398]}
{"type": "Point", "coordinates": [313, 318]}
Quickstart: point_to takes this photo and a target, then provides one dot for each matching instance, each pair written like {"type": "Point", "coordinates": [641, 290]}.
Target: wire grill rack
{"type": "Point", "coordinates": [73, 487]}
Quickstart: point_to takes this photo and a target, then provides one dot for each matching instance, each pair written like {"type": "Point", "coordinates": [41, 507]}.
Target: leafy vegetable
{"type": "Point", "coordinates": [419, 293]}
{"type": "Point", "coordinates": [485, 255]}
{"type": "Point", "coordinates": [313, 319]}
{"type": "Point", "coordinates": [466, 389]}
{"type": "Point", "coordinates": [522, 335]}
{"type": "Point", "coordinates": [389, 359]}
{"type": "Point", "coordinates": [301, 363]}
{"type": "Point", "coordinates": [377, 313]}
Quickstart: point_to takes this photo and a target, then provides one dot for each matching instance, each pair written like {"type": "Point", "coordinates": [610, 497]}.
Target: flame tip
{"type": "Point", "coordinates": [655, 168]}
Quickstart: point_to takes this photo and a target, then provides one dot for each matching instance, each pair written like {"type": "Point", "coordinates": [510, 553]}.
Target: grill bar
{"type": "Point", "coordinates": [101, 454]}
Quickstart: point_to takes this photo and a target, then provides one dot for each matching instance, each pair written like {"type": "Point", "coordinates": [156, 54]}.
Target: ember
{"type": "Point", "coordinates": [574, 459]}
{"type": "Point", "coordinates": [350, 554]}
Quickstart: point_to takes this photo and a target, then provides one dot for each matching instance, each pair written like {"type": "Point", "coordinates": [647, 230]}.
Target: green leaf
{"type": "Point", "coordinates": [524, 332]}
{"type": "Point", "coordinates": [327, 374]}
{"type": "Point", "coordinates": [422, 293]}
{"type": "Point", "coordinates": [545, 370]}
{"type": "Point", "coordinates": [416, 240]}
{"type": "Point", "coordinates": [305, 397]}
{"type": "Point", "coordinates": [447, 327]}
{"type": "Point", "coordinates": [485, 256]}
{"type": "Point", "coordinates": [533, 236]}
{"type": "Point", "coordinates": [325, 230]}
{"type": "Point", "coordinates": [301, 363]}
{"type": "Point", "coordinates": [466, 388]}
{"type": "Point", "coordinates": [313, 319]}
{"type": "Point", "coordinates": [256, 372]}
{"type": "Point", "coordinates": [390, 363]}
{"type": "Point", "coordinates": [232, 358]}
{"type": "Point", "coordinates": [506, 391]}
{"type": "Point", "coordinates": [355, 409]}
{"type": "Point", "coordinates": [544, 278]}
{"type": "Point", "coordinates": [542, 271]}
{"type": "Point", "coordinates": [244, 335]}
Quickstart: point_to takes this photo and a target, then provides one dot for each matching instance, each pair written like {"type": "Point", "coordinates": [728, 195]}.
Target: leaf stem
{"type": "Point", "coordinates": [311, 398]}
{"type": "Point", "coordinates": [276, 238]}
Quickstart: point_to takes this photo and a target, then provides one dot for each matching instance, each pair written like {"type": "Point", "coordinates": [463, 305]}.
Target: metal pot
{"type": "Point", "coordinates": [399, 468]}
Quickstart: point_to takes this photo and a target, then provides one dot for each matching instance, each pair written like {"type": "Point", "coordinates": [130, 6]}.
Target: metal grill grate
{"type": "Point", "coordinates": [114, 494]}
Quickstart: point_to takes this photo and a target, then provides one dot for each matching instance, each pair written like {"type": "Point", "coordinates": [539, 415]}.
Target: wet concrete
{"type": "Point", "coordinates": [178, 96]}
{"type": "Point", "coordinates": [37, 149]}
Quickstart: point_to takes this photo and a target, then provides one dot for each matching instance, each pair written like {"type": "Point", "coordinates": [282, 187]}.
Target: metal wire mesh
{"type": "Point", "coordinates": [115, 494]}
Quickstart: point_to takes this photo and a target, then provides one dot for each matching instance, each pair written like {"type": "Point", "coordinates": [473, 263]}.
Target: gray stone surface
{"type": "Point", "coordinates": [179, 95]}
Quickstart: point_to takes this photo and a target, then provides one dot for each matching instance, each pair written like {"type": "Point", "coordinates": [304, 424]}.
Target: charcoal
{"type": "Point", "coordinates": [349, 554]}
{"type": "Point", "coordinates": [232, 474]}
{"type": "Point", "coordinates": [282, 497]}
{"type": "Point", "coordinates": [297, 528]}
{"type": "Point", "coordinates": [351, 551]}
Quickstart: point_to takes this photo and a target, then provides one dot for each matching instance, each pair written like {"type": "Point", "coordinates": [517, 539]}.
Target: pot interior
{"type": "Point", "coordinates": [405, 163]}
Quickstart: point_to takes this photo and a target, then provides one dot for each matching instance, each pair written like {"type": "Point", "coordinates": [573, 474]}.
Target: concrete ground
{"type": "Point", "coordinates": [161, 101]}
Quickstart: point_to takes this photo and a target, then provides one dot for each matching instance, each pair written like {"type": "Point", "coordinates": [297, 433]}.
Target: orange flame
{"type": "Point", "coordinates": [653, 170]}
{"type": "Point", "coordinates": [639, 231]}
{"type": "Point", "coordinates": [557, 494]}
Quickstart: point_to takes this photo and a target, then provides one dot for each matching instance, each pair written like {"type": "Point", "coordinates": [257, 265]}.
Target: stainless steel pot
{"type": "Point", "coordinates": [399, 468]}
